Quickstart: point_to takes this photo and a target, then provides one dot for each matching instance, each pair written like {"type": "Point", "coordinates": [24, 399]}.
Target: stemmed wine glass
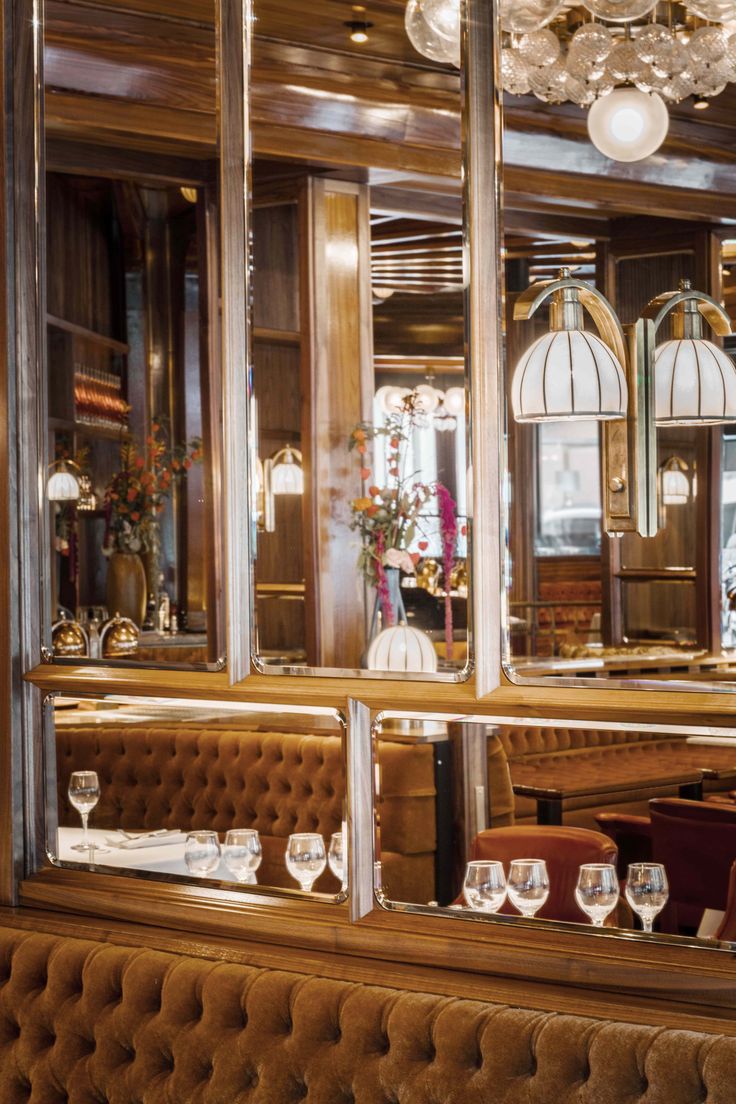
{"type": "Point", "coordinates": [528, 885]}
{"type": "Point", "coordinates": [202, 852]}
{"type": "Point", "coordinates": [597, 891]}
{"type": "Point", "coordinates": [306, 858]}
{"type": "Point", "coordinates": [484, 887]}
{"type": "Point", "coordinates": [335, 856]}
{"type": "Point", "coordinates": [84, 793]}
{"type": "Point", "coordinates": [242, 854]}
{"type": "Point", "coordinates": [647, 891]}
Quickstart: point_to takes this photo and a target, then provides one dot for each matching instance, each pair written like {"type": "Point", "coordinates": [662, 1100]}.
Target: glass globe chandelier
{"type": "Point", "coordinates": [660, 53]}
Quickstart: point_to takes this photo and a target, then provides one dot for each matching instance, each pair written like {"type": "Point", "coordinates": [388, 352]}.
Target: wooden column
{"type": "Point", "coordinates": [338, 394]}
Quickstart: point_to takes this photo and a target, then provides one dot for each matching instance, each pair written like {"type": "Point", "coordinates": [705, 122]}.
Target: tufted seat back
{"type": "Point", "coordinates": [82, 1022]}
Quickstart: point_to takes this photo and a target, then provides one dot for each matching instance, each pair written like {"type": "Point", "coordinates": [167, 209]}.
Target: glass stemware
{"type": "Point", "coordinates": [597, 891]}
{"type": "Point", "coordinates": [202, 852]}
{"type": "Point", "coordinates": [242, 854]}
{"type": "Point", "coordinates": [84, 793]}
{"type": "Point", "coordinates": [335, 856]}
{"type": "Point", "coordinates": [528, 885]}
{"type": "Point", "coordinates": [484, 888]}
{"type": "Point", "coordinates": [647, 891]}
{"type": "Point", "coordinates": [305, 858]}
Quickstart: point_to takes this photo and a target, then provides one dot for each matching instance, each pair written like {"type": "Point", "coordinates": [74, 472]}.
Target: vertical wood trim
{"type": "Point", "coordinates": [483, 239]}
{"type": "Point", "coordinates": [233, 41]}
{"type": "Point", "coordinates": [312, 627]}
{"type": "Point", "coordinates": [360, 809]}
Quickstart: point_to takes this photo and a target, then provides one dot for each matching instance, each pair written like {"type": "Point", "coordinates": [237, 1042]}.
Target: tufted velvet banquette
{"type": "Point", "coordinates": [90, 1023]}
{"type": "Point", "coordinates": [186, 776]}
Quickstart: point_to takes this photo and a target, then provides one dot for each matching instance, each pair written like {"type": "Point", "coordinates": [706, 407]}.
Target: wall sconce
{"type": "Point", "coordinates": [281, 474]}
{"type": "Point", "coordinates": [63, 485]}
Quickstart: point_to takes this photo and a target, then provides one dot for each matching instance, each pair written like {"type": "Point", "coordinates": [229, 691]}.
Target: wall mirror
{"type": "Point", "coordinates": [612, 827]}
{"type": "Point", "coordinates": [619, 414]}
{"type": "Point", "coordinates": [135, 363]}
{"type": "Point", "coordinates": [169, 790]}
{"type": "Point", "coordinates": [359, 396]}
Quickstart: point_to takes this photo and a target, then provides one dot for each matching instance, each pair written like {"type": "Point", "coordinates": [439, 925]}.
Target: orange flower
{"type": "Point", "coordinates": [132, 495]}
{"type": "Point", "coordinates": [359, 434]}
{"type": "Point", "coordinates": [361, 503]}
{"type": "Point", "coordinates": [365, 473]}
{"type": "Point", "coordinates": [135, 516]}
{"type": "Point", "coordinates": [374, 491]}
{"type": "Point", "coordinates": [362, 450]}
{"type": "Point", "coordinates": [187, 463]}
{"type": "Point", "coordinates": [139, 462]}
{"type": "Point", "coordinates": [372, 510]}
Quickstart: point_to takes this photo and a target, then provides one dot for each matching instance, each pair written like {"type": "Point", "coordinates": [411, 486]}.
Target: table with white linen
{"type": "Point", "coordinates": [163, 858]}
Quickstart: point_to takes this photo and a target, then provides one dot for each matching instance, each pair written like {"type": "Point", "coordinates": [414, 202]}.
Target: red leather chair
{"type": "Point", "coordinates": [696, 842]}
{"type": "Point", "coordinates": [563, 849]}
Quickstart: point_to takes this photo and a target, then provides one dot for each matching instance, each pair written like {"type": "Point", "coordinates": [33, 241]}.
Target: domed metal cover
{"type": "Point", "coordinates": [120, 636]}
{"type": "Point", "coordinates": [68, 639]}
{"type": "Point", "coordinates": [695, 383]}
{"type": "Point", "coordinates": [569, 375]}
{"type": "Point", "coordinates": [401, 648]}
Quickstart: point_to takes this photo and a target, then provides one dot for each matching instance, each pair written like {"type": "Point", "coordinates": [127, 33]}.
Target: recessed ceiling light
{"type": "Point", "coordinates": [700, 103]}
{"type": "Point", "coordinates": [358, 30]}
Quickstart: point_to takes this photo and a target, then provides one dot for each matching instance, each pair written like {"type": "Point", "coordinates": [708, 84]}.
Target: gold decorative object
{"type": "Point", "coordinates": [428, 576]}
{"type": "Point", "coordinates": [68, 638]}
{"type": "Point", "coordinates": [119, 637]}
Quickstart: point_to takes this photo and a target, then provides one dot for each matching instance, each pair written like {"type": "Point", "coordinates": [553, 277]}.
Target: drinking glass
{"type": "Point", "coordinates": [202, 852]}
{"type": "Point", "coordinates": [242, 854]}
{"type": "Point", "coordinates": [597, 891]}
{"type": "Point", "coordinates": [647, 891]}
{"type": "Point", "coordinates": [84, 793]}
{"type": "Point", "coordinates": [335, 856]}
{"type": "Point", "coordinates": [484, 887]}
{"type": "Point", "coordinates": [528, 885]}
{"type": "Point", "coordinates": [306, 858]}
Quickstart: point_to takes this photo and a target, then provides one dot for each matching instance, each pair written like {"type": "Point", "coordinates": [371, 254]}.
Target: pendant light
{"type": "Point", "coordinates": [628, 124]}
{"type": "Point", "coordinates": [63, 485]}
{"type": "Point", "coordinates": [569, 374]}
{"type": "Point", "coordinates": [695, 381]}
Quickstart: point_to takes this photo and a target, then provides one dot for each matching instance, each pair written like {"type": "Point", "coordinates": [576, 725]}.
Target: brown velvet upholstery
{"type": "Point", "coordinates": [84, 1022]}
{"type": "Point", "coordinates": [186, 776]}
{"type": "Point", "coordinates": [563, 849]}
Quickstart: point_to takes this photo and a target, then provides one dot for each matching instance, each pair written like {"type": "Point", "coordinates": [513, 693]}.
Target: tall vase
{"type": "Point", "coordinates": [126, 586]}
{"type": "Point", "coordinates": [398, 613]}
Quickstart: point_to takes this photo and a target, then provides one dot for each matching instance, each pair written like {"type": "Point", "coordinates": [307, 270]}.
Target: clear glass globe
{"type": "Point", "coordinates": [707, 80]}
{"type": "Point", "coordinates": [708, 44]}
{"type": "Point", "coordinates": [624, 62]}
{"type": "Point", "coordinates": [582, 68]}
{"type": "Point", "coordinates": [592, 42]}
{"type": "Point", "coordinates": [599, 87]}
{"type": "Point", "coordinates": [578, 92]}
{"type": "Point", "coordinates": [649, 81]}
{"type": "Point", "coordinates": [425, 40]}
{"type": "Point", "coordinates": [524, 16]}
{"type": "Point", "coordinates": [715, 11]}
{"type": "Point", "coordinates": [677, 88]}
{"type": "Point", "coordinates": [514, 73]}
{"type": "Point", "coordinates": [443, 16]}
{"type": "Point", "coordinates": [671, 60]}
{"type": "Point", "coordinates": [652, 41]}
{"type": "Point", "coordinates": [548, 84]}
{"type": "Point", "coordinates": [540, 48]}
{"type": "Point", "coordinates": [620, 11]}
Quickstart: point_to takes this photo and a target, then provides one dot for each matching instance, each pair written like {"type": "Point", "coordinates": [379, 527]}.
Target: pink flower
{"type": "Point", "coordinates": [397, 557]}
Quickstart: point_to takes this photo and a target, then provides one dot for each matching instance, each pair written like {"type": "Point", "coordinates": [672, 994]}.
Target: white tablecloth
{"type": "Point", "coordinates": [168, 858]}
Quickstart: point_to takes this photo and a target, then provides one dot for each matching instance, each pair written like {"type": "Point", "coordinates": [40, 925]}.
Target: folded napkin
{"type": "Point", "coordinates": [148, 839]}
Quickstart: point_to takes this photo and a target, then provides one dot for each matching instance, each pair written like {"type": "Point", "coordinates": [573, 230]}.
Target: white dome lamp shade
{"type": "Point", "coordinates": [627, 124]}
{"type": "Point", "coordinates": [286, 472]}
{"type": "Point", "coordinates": [63, 485]}
{"type": "Point", "coordinates": [401, 649]}
{"type": "Point", "coordinates": [675, 485]}
{"type": "Point", "coordinates": [570, 373]}
{"type": "Point", "coordinates": [694, 380]}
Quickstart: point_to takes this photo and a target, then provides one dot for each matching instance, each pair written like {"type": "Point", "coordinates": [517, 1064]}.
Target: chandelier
{"type": "Point", "coordinates": [624, 59]}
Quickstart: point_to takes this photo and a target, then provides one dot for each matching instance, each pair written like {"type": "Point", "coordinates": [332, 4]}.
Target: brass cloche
{"type": "Point", "coordinates": [119, 637]}
{"type": "Point", "coordinates": [68, 639]}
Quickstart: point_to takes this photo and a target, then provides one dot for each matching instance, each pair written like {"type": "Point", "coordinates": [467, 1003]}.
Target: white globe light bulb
{"type": "Point", "coordinates": [628, 125]}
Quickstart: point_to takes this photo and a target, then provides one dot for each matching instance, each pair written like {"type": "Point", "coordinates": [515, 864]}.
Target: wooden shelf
{"type": "Point", "coordinates": [87, 335]}
{"type": "Point", "coordinates": [65, 425]}
{"type": "Point", "coordinates": [277, 337]}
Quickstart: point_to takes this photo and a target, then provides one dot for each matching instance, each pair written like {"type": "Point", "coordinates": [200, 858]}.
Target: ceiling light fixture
{"type": "Point", "coordinates": [561, 54]}
{"type": "Point", "coordinates": [358, 30]}
{"type": "Point", "coordinates": [627, 124]}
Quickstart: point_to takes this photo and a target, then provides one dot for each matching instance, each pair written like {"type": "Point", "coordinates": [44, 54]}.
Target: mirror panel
{"type": "Point", "coordinates": [175, 789]}
{"type": "Point", "coordinates": [454, 795]}
{"type": "Point", "coordinates": [359, 378]}
{"type": "Point", "coordinates": [134, 359]}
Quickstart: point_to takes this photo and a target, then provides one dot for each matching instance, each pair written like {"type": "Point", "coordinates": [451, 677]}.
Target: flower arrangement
{"type": "Point", "coordinates": [389, 518]}
{"type": "Point", "coordinates": [136, 494]}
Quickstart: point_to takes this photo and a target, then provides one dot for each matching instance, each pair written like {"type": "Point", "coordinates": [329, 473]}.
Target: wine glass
{"type": "Point", "coordinates": [242, 854]}
{"type": "Point", "coordinates": [84, 793]}
{"type": "Point", "coordinates": [528, 885]}
{"type": "Point", "coordinates": [484, 887]}
{"type": "Point", "coordinates": [306, 858]}
{"type": "Point", "coordinates": [202, 852]}
{"type": "Point", "coordinates": [336, 856]}
{"type": "Point", "coordinates": [597, 891]}
{"type": "Point", "coordinates": [647, 891]}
